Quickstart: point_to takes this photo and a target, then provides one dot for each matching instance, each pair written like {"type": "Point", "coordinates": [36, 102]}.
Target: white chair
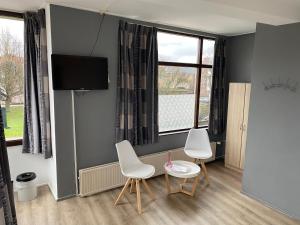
{"type": "Point", "coordinates": [198, 147]}
{"type": "Point", "coordinates": [135, 170]}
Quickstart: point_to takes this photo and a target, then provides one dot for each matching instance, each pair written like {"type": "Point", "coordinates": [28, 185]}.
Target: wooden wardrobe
{"type": "Point", "coordinates": [237, 123]}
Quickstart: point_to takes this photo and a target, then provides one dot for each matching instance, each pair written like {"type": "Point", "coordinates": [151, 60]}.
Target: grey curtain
{"type": "Point", "coordinates": [7, 205]}
{"type": "Point", "coordinates": [37, 139]}
{"type": "Point", "coordinates": [137, 88]}
{"type": "Point", "coordinates": [217, 118]}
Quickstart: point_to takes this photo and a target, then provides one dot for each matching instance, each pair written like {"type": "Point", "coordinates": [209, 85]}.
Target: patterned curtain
{"type": "Point", "coordinates": [137, 88]}
{"type": "Point", "coordinates": [217, 118]}
{"type": "Point", "coordinates": [37, 137]}
{"type": "Point", "coordinates": [7, 204]}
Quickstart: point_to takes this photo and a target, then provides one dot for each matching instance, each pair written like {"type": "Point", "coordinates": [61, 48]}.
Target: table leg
{"type": "Point", "coordinates": [167, 183]}
{"type": "Point", "coordinates": [195, 185]}
{"type": "Point", "coordinates": [192, 192]}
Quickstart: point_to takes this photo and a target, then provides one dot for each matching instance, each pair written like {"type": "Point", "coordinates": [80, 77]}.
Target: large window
{"type": "Point", "coordinates": [11, 76]}
{"type": "Point", "coordinates": [185, 80]}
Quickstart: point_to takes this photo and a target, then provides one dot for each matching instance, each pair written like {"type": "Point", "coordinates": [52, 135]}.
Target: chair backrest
{"type": "Point", "coordinates": [198, 140]}
{"type": "Point", "coordinates": [126, 154]}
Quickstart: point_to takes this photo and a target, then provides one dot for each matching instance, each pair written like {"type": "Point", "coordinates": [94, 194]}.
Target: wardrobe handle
{"type": "Point", "coordinates": [241, 127]}
{"type": "Point", "coordinates": [244, 127]}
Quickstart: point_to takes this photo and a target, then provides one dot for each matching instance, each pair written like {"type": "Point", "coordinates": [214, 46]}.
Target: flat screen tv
{"type": "Point", "coordinates": [79, 72]}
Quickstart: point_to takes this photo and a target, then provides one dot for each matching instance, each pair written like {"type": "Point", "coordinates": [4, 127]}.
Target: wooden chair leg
{"type": "Point", "coordinates": [148, 189]}
{"type": "Point", "coordinates": [138, 196]}
{"type": "Point", "coordinates": [132, 186]}
{"type": "Point", "coordinates": [123, 191]}
{"type": "Point", "coordinates": [203, 167]}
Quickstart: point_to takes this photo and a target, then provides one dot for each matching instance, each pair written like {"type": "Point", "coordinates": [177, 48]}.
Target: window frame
{"type": "Point", "coordinates": [20, 16]}
{"type": "Point", "coordinates": [199, 67]}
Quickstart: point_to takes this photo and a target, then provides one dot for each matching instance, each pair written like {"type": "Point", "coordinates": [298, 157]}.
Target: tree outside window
{"type": "Point", "coordinates": [12, 76]}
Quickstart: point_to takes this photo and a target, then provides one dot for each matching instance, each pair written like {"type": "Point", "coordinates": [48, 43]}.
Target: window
{"type": "Point", "coordinates": [11, 76]}
{"type": "Point", "coordinates": [185, 80]}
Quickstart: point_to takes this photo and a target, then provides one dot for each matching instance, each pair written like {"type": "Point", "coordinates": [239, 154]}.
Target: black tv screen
{"type": "Point", "coordinates": [79, 72]}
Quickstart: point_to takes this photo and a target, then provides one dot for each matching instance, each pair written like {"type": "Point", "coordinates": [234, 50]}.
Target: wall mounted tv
{"type": "Point", "coordinates": [79, 72]}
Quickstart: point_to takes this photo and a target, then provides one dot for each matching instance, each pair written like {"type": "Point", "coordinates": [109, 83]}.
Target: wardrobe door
{"type": "Point", "coordinates": [234, 124]}
{"type": "Point", "coordinates": [245, 124]}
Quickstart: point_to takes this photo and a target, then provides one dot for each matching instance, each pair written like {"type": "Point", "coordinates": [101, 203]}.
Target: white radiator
{"type": "Point", "coordinates": [104, 177]}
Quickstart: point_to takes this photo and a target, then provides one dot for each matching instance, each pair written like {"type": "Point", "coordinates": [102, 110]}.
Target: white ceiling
{"type": "Point", "coordinates": [228, 17]}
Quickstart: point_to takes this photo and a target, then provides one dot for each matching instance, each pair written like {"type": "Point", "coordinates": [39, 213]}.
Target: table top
{"type": "Point", "coordinates": [192, 169]}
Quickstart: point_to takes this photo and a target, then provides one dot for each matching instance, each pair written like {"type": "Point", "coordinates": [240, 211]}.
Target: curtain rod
{"type": "Point", "coordinates": [11, 14]}
{"type": "Point", "coordinates": [134, 22]}
{"type": "Point", "coordinates": [159, 28]}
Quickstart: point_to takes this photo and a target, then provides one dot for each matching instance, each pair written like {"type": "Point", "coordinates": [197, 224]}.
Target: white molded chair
{"type": "Point", "coordinates": [135, 170]}
{"type": "Point", "coordinates": [198, 147]}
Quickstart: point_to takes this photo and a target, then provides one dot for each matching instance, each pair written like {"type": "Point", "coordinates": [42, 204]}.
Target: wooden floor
{"type": "Point", "coordinates": [220, 203]}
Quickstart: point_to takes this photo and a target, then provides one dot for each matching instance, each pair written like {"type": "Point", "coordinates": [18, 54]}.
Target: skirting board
{"type": "Point", "coordinates": [105, 177]}
{"type": "Point", "coordinates": [53, 191]}
{"type": "Point", "coordinates": [269, 205]}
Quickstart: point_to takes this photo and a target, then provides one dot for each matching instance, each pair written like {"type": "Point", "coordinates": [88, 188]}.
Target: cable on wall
{"type": "Point", "coordinates": [98, 33]}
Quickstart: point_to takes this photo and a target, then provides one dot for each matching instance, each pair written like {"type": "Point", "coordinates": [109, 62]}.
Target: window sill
{"type": "Point", "coordinates": [173, 132]}
{"type": "Point", "coordinates": [14, 142]}
{"type": "Point", "coordinates": [165, 133]}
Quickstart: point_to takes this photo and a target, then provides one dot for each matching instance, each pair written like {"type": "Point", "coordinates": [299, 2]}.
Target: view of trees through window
{"type": "Point", "coordinates": [180, 68]}
{"type": "Point", "coordinates": [11, 76]}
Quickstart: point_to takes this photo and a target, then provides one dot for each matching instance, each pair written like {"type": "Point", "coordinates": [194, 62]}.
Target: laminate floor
{"type": "Point", "coordinates": [219, 203]}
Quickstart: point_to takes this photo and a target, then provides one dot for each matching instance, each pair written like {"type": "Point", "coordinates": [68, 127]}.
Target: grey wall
{"type": "Point", "coordinates": [74, 32]}
{"type": "Point", "coordinates": [272, 155]}
{"type": "Point", "coordinates": [239, 52]}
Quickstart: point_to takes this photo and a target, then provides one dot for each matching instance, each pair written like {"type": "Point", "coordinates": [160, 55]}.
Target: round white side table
{"type": "Point", "coordinates": [192, 171]}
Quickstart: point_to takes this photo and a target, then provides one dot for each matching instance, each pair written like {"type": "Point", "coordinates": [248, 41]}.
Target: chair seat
{"type": "Point", "coordinates": [140, 171]}
{"type": "Point", "coordinates": [197, 154]}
